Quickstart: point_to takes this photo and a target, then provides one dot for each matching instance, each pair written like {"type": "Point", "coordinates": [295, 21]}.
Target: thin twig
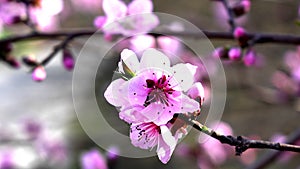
{"type": "Point", "coordinates": [240, 143]}
{"type": "Point", "coordinates": [230, 15]}
{"type": "Point", "coordinates": [271, 156]}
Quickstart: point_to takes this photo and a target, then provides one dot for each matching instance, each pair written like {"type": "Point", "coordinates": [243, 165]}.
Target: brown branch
{"type": "Point", "coordinates": [230, 15]}
{"type": "Point", "coordinates": [240, 143]}
{"type": "Point", "coordinates": [260, 37]}
{"type": "Point", "coordinates": [271, 156]}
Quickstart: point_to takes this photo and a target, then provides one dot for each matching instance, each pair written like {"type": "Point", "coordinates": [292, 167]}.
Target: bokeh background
{"type": "Point", "coordinates": [254, 107]}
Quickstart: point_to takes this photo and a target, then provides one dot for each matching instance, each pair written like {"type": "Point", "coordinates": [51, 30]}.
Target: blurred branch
{"type": "Point", "coordinates": [272, 156]}
{"type": "Point", "coordinates": [260, 37]}
{"type": "Point", "coordinates": [240, 143]}
{"type": "Point", "coordinates": [230, 15]}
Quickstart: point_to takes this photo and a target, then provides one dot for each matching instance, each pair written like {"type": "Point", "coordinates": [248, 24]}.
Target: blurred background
{"type": "Point", "coordinates": [38, 123]}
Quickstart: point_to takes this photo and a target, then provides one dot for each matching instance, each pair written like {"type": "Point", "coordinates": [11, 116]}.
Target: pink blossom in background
{"type": "Point", "coordinates": [10, 11]}
{"type": "Point", "coordinates": [6, 160]}
{"type": "Point", "coordinates": [169, 45]}
{"type": "Point", "coordinates": [221, 15]}
{"type": "Point", "coordinates": [140, 43]}
{"type": "Point", "coordinates": [93, 159]}
{"type": "Point", "coordinates": [219, 153]}
{"type": "Point", "coordinates": [284, 156]}
{"type": "Point", "coordinates": [45, 16]}
{"type": "Point", "coordinates": [39, 74]}
{"type": "Point", "coordinates": [112, 153]}
{"type": "Point", "coordinates": [140, 18]}
{"type": "Point", "coordinates": [87, 5]}
{"type": "Point", "coordinates": [249, 156]}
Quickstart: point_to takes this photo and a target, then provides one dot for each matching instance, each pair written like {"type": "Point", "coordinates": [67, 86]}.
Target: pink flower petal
{"type": "Point", "coordinates": [132, 114]}
{"type": "Point", "coordinates": [144, 135]}
{"type": "Point", "coordinates": [99, 21]}
{"type": "Point", "coordinates": [137, 90]}
{"type": "Point", "coordinates": [114, 93]}
{"type": "Point", "coordinates": [166, 145]}
{"type": "Point", "coordinates": [197, 91]}
{"type": "Point", "coordinates": [140, 6]}
{"type": "Point", "coordinates": [189, 105]}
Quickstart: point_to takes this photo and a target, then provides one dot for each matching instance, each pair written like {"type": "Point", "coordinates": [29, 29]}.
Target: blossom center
{"type": "Point", "coordinates": [160, 91]}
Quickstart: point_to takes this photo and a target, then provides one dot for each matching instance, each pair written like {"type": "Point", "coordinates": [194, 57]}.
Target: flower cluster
{"type": "Point", "coordinates": [140, 17]}
{"type": "Point", "coordinates": [150, 95]}
{"type": "Point", "coordinates": [287, 80]}
{"type": "Point", "coordinates": [35, 146]}
{"type": "Point", "coordinates": [244, 51]}
{"type": "Point", "coordinates": [42, 13]}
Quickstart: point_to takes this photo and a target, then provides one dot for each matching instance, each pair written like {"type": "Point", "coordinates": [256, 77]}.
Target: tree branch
{"type": "Point", "coordinates": [230, 15]}
{"type": "Point", "coordinates": [260, 37]}
{"type": "Point", "coordinates": [271, 156]}
{"type": "Point", "coordinates": [240, 143]}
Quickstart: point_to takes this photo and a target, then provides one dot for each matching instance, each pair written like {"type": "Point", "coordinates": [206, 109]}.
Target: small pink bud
{"type": "Point", "coordinates": [250, 58]}
{"type": "Point", "coordinates": [99, 21]}
{"type": "Point", "coordinates": [220, 52]}
{"type": "Point", "coordinates": [197, 92]}
{"type": "Point", "coordinates": [239, 32]}
{"type": "Point", "coordinates": [68, 59]}
{"type": "Point", "coordinates": [246, 4]}
{"type": "Point", "coordinates": [235, 53]}
{"type": "Point", "coordinates": [241, 8]}
{"type": "Point", "coordinates": [30, 60]}
{"type": "Point", "coordinates": [13, 62]}
{"type": "Point", "coordinates": [39, 74]}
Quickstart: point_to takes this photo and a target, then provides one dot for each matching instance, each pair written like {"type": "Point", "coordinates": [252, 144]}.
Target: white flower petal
{"type": "Point", "coordinates": [166, 145]}
{"type": "Point", "coordinates": [130, 59]}
{"type": "Point", "coordinates": [154, 58]}
{"type": "Point", "coordinates": [140, 6]}
{"type": "Point", "coordinates": [184, 74]}
{"type": "Point", "coordinates": [114, 9]}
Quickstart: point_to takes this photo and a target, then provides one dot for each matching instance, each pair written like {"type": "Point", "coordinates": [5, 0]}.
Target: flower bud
{"type": "Point", "coordinates": [29, 61]}
{"type": "Point", "coordinates": [14, 20]}
{"type": "Point", "coordinates": [250, 58]}
{"type": "Point", "coordinates": [39, 74]}
{"type": "Point", "coordinates": [239, 32]}
{"type": "Point", "coordinates": [220, 52]}
{"type": "Point", "coordinates": [12, 62]}
{"type": "Point", "coordinates": [68, 59]}
{"type": "Point", "coordinates": [241, 8]}
{"type": "Point", "coordinates": [235, 53]}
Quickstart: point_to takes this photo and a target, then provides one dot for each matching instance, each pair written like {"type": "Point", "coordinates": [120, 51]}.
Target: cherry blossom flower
{"type": "Point", "coordinates": [93, 160]}
{"type": "Point", "coordinates": [219, 153]}
{"type": "Point", "coordinates": [39, 74]}
{"type": "Point", "coordinates": [140, 17]}
{"type": "Point", "coordinates": [150, 93]}
{"type": "Point", "coordinates": [155, 87]}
